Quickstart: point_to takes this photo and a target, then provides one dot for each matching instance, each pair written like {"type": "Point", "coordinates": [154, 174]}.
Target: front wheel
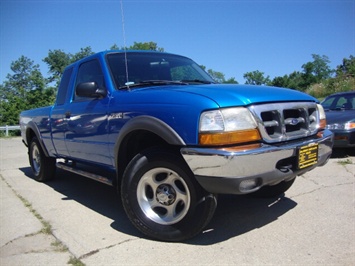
{"type": "Point", "coordinates": [162, 198]}
{"type": "Point", "coordinates": [43, 167]}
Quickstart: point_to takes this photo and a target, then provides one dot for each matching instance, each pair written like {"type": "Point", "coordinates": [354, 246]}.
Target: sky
{"type": "Point", "coordinates": [230, 36]}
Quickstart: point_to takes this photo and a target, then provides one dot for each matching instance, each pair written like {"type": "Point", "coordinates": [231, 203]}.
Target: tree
{"type": "Point", "coordinates": [140, 46]}
{"type": "Point", "coordinates": [292, 81]}
{"type": "Point", "coordinates": [347, 68]}
{"type": "Point", "coordinates": [27, 76]}
{"type": "Point", "coordinates": [115, 47]}
{"type": "Point", "coordinates": [344, 80]}
{"type": "Point", "coordinates": [317, 70]}
{"type": "Point", "coordinates": [296, 81]}
{"type": "Point", "coordinates": [256, 78]}
{"type": "Point", "coordinates": [58, 60]}
{"type": "Point", "coordinates": [10, 110]}
{"type": "Point", "coordinates": [24, 89]}
{"type": "Point", "coordinates": [313, 72]}
{"type": "Point", "coordinates": [230, 81]}
{"type": "Point", "coordinates": [217, 76]}
{"type": "Point", "coordinates": [84, 52]}
{"type": "Point", "coordinates": [280, 82]}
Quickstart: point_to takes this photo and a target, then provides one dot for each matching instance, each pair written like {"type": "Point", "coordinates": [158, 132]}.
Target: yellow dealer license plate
{"type": "Point", "coordinates": [307, 155]}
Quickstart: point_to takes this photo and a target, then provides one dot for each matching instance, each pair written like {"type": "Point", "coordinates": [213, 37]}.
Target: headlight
{"type": "Point", "coordinates": [211, 121]}
{"type": "Point", "coordinates": [322, 118]}
{"type": "Point", "coordinates": [345, 126]}
{"type": "Point", "coordinates": [349, 125]}
{"type": "Point", "coordinates": [227, 126]}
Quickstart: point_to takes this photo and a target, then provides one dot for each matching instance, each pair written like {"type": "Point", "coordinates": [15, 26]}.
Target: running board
{"type": "Point", "coordinates": [74, 170]}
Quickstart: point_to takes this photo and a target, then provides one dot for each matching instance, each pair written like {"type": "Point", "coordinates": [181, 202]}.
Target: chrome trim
{"type": "Point", "coordinates": [77, 171]}
{"type": "Point", "coordinates": [215, 166]}
{"type": "Point", "coordinates": [282, 119]}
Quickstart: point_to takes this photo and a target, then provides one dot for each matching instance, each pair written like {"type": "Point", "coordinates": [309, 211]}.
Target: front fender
{"type": "Point", "coordinates": [151, 124]}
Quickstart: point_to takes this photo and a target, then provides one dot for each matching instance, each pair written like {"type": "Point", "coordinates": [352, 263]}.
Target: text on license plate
{"type": "Point", "coordinates": [307, 155]}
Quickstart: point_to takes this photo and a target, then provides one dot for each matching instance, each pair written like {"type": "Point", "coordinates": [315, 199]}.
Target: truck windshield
{"type": "Point", "coordinates": [152, 69]}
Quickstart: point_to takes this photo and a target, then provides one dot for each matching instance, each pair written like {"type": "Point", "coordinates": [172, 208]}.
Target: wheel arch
{"type": "Point", "coordinates": [141, 133]}
{"type": "Point", "coordinates": [33, 131]}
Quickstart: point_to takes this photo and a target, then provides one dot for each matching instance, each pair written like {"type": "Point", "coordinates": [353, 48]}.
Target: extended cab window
{"type": "Point", "coordinates": [63, 87]}
{"type": "Point", "coordinates": [89, 72]}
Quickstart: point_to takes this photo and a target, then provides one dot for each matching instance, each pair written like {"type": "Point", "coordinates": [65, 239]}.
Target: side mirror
{"type": "Point", "coordinates": [90, 90]}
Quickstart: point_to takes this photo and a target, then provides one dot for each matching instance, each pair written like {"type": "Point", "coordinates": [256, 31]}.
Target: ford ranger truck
{"type": "Point", "coordinates": [159, 129]}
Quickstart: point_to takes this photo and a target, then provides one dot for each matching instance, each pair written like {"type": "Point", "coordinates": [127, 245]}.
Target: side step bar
{"type": "Point", "coordinates": [75, 170]}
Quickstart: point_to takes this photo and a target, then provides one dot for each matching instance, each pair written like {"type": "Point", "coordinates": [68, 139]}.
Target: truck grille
{"type": "Point", "coordinates": [286, 121]}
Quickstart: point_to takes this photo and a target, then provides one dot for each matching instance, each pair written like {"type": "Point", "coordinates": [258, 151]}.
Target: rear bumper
{"type": "Point", "coordinates": [222, 171]}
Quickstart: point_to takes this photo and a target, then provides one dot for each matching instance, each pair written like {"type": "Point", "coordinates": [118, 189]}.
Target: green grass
{"type": "Point", "coordinates": [58, 245]}
{"type": "Point", "coordinates": [345, 162]}
{"type": "Point", "coordinates": [75, 262]}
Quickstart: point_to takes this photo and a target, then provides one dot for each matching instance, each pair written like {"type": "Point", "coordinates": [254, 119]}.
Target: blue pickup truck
{"type": "Point", "coordinates": [159, 129]}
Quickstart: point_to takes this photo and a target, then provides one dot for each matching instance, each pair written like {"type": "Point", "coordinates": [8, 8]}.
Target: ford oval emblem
{"type": "Point", "coordinates": [294, 121]}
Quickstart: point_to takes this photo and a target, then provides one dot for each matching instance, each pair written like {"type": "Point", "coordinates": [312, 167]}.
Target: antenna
{"type": "Point", "coordinates": [124, 45]}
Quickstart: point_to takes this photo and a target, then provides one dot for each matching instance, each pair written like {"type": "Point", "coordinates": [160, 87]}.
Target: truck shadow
{"type": "Point", "coordinates": [237, 215]}
{"type": "Point", "coordinates": [94, 195]}
{"type": "Point", "coordinates": [342, 153]}
{"type": "Point", "coordinates": [234, 216]}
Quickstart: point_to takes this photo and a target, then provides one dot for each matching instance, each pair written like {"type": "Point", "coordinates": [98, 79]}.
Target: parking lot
{"type": "Point", "coordinates": [312, 224]}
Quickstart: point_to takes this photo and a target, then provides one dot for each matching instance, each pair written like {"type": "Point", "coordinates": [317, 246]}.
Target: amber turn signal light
{"type": "Point", "coordinates": [228, 138]}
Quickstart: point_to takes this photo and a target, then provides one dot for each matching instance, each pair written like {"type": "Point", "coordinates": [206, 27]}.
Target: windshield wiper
{"type": "Point", "coordinates": [152, 83]}
{"type": "Point", "coordinates": [197, 81]}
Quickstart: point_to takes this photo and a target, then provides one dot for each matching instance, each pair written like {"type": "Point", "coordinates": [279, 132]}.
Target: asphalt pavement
{"type": "Point", "coordinates": [73, 220]}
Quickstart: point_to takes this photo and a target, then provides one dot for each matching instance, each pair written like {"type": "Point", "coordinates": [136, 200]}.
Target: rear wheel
{"type": "Point", "coordinates": [274, 191]}
{"type": "Point", "coordinates": [43, 167]}
{"type": "Point", "coordinates": [162, 198]}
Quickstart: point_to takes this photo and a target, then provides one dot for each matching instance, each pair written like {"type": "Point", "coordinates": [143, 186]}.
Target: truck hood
{"type": "Point", "coordinates": [242, 95]}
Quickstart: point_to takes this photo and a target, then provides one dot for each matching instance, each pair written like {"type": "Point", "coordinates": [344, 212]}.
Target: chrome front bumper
{"type": "Point", "coordinates": [221, 171]}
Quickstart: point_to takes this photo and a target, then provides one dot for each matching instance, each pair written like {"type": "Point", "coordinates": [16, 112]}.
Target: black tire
{"type": "Point", "coordinates": [274, 191]}
{"type": "Point", "coordinates": [43, 167]}
{"type": "Point", "coordinates": [162, 198]}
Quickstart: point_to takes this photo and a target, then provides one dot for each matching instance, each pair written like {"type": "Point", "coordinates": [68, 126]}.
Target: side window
{"type": "Point", "coordinates": [63, 87]}
{"type": "Point", "coordinates": [89, 72]}
{"type": "Point", "coordinates": [341, 102]}
{"type": "Point", "coordinates": [327, 104]}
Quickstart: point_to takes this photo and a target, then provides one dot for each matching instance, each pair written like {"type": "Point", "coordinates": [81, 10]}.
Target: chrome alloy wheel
{"type": "Point", "coordinates": [36, 159]}
{"type": "Point", "coordinates": [163, 196]}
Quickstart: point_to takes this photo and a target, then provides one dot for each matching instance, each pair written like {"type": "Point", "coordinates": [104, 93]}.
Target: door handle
{"type": "Point", "coordinates": [67, 114]}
